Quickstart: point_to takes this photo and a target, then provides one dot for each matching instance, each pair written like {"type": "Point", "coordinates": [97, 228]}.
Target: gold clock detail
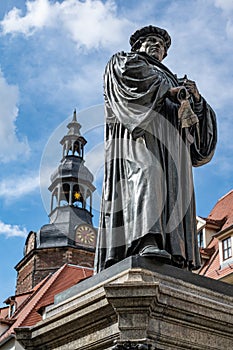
{"type": "Point", "coordinates": [85, 235]}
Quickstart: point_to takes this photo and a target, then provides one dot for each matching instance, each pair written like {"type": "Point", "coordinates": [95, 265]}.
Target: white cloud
{"type": "Point", "coordinates": [226, 5]}
{"type": "Point", "coordinates": [227, 8]}
{"type": "Point", "coordinates": [37, 16]}
{"type": "Point", "coordinates": [15, 188]}
{"type": "Point", "coordinates": [93, 23]}
{"type": "Point", "coordinates": [12, 230]}
{"type": "Point", "coordinates": [89, 23]}
{"type": "Point", "coordinates": [10, 146]}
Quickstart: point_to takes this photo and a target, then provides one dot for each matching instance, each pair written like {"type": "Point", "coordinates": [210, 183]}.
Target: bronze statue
{"type": "Point", "coordinates": [157, 128]}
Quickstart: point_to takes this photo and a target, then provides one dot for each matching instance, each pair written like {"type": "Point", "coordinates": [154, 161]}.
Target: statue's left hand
{"type": "Point", "coordinates": [191, 86]}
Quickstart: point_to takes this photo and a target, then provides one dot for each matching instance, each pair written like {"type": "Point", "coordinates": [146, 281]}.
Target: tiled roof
{"type": "Point", "coordinates": [4, 312]}
{"type": "Point", "coordinates": [43, 295]}
{"type": "Point", "coordinates": [212, 261]}
{"type": "Point", "coordinates": [223, 211]}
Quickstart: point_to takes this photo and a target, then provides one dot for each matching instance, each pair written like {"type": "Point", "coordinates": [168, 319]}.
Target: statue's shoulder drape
{"type": "Point", "coordinates": [148, 183]}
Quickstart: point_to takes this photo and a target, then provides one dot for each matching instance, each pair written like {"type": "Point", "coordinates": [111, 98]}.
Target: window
{"type": "Point", "coordinates": [226, 248]}
{"type": "Point", "coordinates": [12, 308]}
{"type": "Point", "coordinates": [77, 196]}
{"type": "Point", "coordinates": [64, 195]}
{"type": "Point", "coordinates": [200, 239]}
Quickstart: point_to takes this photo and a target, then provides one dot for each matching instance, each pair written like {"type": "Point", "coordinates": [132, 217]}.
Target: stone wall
{"type": "Point", "coordinates": [25, 276]}
{"type": "Point", "coordinates": [41, 262]}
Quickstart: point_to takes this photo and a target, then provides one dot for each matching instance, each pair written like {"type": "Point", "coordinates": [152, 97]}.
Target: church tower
{"type": "Point", "coordinates": [70, 236]}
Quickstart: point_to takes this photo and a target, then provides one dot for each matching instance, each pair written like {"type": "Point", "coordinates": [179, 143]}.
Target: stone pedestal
{"type": "Point", "coordinates": [137, 304]}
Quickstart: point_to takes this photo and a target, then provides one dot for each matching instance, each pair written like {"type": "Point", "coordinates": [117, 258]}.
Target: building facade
{"type": "Point", "coordinates": [216, 241]}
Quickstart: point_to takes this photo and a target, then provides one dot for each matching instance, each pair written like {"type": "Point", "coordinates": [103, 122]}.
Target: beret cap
{"type": "Point", "coordinates": [149, 30]}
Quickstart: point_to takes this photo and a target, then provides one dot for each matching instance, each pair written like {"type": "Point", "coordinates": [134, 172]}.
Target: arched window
{"type": "Point", "coordinates": [77, 149]}
{"type": "Point", "coordinates": [70, 150]}
{"type": "Point", "coordinates": [54, 200]}
{"type": "Point", "coordinates": [64, 196]}
{"type": "Point", "coordinates": [77, 196]}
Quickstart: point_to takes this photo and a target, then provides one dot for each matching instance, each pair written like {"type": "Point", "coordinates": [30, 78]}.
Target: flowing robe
{"type": "Point", "coordinates": [148, 182]}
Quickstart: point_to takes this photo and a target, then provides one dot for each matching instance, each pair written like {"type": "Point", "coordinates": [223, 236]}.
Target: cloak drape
{"type": "Point", "coordinates": [148, 182]}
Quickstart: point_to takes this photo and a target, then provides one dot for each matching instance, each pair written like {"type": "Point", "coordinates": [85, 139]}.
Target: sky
{"type": "Point", "coordinates": [52, 57]}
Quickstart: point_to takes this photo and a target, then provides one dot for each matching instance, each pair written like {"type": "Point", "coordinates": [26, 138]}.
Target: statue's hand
{"type": "Point", "coordinates": [191, 86]}
{"type": "Point", "coordinates": [173, 93]}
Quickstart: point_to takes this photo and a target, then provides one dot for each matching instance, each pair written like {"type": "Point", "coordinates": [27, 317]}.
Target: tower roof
{"type": "Point", "coordinates": [72, 168]}
{"type": "Point", "coordinates": [74, 126]}
{"type": "Point", "coordinates": [73, 134]}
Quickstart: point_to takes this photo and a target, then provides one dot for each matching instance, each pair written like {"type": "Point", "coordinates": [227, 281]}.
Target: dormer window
{"type": "Point", "coordinates": [11, 309]}
{"type": "Point", "coordinates": [226, 248]}
{"type": "Point", "coordinates": [12, 306]}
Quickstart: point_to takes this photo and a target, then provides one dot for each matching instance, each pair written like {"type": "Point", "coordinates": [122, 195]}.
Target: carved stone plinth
{"type": "Point", "coordinates": [137, 305]}
{"type": "Point", "coordinates": [130, 346]}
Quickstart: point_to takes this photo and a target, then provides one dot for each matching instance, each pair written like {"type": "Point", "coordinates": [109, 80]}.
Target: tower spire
{"type": "Point", "coordinates": [72, 181]}
{"type": "Point", "coordinates": [73, 143]}
{"type": "Point", "coordinates": [74, 116]}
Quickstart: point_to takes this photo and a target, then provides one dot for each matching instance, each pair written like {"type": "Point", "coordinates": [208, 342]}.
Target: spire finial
{"type": "Point", "coordinates": [74, 116]}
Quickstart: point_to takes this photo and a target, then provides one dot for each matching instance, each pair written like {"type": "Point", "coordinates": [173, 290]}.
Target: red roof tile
{"type": "Point", "coordinates": [4, 312]}
{"type": "Point", "coordinates": [212, 262]}
{"type": "Point", "coordinates": [223, 210]}
{"type": "Point", "coordinates": [43, 295]}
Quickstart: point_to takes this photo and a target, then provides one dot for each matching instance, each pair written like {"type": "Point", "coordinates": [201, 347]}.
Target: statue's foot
{"type": "Point", "coordinates": [151, 251]}
{"type": "Point", "coordinates": [178, 261]}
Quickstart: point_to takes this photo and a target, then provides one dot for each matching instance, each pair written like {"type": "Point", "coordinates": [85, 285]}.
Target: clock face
{"type": "Point", "coordinates": [85, 235]}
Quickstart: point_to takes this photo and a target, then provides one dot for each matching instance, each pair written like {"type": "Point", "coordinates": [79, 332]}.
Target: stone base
{"type": "Point", "coordinates": [137, 304]}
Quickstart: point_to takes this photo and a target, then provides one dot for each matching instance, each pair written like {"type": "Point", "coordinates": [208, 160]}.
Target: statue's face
{"type": "Point", "coordinates": [153, 46]}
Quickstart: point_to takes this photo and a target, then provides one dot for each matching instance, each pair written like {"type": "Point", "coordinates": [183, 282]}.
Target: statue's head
{"type": "Point", "coordinates": [153, 40]}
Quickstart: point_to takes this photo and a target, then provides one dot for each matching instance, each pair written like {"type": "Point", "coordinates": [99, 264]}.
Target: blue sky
{"type": "Point", "coordinates": [52, 57]}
